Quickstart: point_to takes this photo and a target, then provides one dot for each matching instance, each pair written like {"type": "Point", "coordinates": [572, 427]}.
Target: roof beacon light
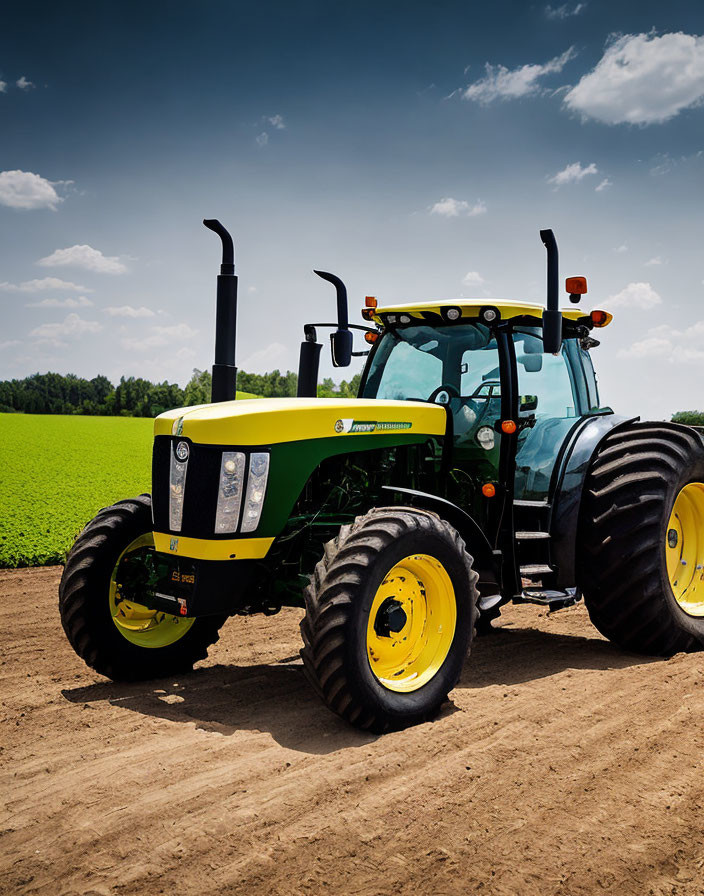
{"type": "Point", "coordinates": [576, 287]}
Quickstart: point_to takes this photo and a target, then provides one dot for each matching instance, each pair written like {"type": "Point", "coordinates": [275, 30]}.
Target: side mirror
{"type": "Point", "coordinates": [528, 403]}
{"type": "Point", "coordinates": [341, 348]}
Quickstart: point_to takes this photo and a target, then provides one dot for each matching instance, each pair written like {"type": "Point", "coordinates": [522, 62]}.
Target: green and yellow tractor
{"type": "Point", "coordinates": [477, 467]}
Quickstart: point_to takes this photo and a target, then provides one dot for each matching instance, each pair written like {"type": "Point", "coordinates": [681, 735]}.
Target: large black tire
{"type": "Point", "coordinates": [85, 609]}
{"type": "Point", "coordinates": [338, 605]}
{"type": "Point", "coordinates": [629, 494]}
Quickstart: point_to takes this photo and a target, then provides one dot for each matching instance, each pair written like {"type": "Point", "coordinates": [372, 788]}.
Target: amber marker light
{"type": "Point", "coordinates": [509, 427]}
{"type": "Point", "coordinates": [371, 337]}
{"type": "Point", "coordinates": [600, 318]}
{"type": "Point", "coordinates": [370, 301]}
{"type": "Point", "coordinates": [488, 489]}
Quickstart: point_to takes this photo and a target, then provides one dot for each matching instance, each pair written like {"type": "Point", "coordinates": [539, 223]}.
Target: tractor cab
{"type": "Point", "coordinates": [510, 403]}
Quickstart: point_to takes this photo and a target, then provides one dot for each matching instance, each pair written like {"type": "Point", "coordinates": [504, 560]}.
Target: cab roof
{"type": "Point", "coordinates": [472, 308]}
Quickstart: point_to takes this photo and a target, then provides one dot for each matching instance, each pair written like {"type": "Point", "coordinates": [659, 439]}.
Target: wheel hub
{"type": "Point", "coordinates": [411, 623]}
{"type": "Point", "coordinates": [684, 550]}
{"type": "Point", "coordinates": [390, 618]}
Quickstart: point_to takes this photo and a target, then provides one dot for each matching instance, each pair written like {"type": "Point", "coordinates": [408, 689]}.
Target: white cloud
{"type": "Point", "coordinates": [23, 83]}
{"type": "Point", "coordinates": [277, 121]}
{"type": "Point", "coordinates": [605, 184]}
{"type": "Point", "coordinates": [25, 190]}
{"type": "Point", "coordinates": [640, 296]}
{"type": "Point", "coordinates": [42, 285]}
{"type": "Point", "coordinates": [642, 79]}
{"type": "Point", "coordinates": [128, 311]}
{"type": "Point", "coordinates": [564, 11]}
{"type": "Point", "coordinates": [572, 174]}
{"type": "Point", "coordinates": [652, 262]}
{"type": "Point", "coordinates": [456, 208]}
{"type": "Point", "coordinates": [505, 84]}
{"type": "Point", "coordinates": [72, 327]}
{"type": "Point", "coordinates": [473, 278]}
{"type": "Point", "coordinates": [78, 302]}
{"type": "Point", "coordinates": [8, 343]}
{"type": "Point", "coordinates": [274, 355]}
{"type": "Point", "coordinates": [262, 139]}
{"type": "Point", "coordinates": [3, 86]}
{"type": "Point", "coordinates": [669, 344]}
{"type": "Point", "coordinates": [161, 336]}
{"type": "Point", "coordinates": [621, 249]}
{"type": "Point", "coordinates": [84, 257]}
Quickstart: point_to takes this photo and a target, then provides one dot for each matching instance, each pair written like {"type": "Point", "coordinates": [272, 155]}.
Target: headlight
{"type": "Point", "coordinates": [485, 437]}
{"type": "Point", "coordinates": [177, 486]}
{"type": "Point", "coordinates": [256, 489]}
{"type": "Point", "coordinates": [227, 513]}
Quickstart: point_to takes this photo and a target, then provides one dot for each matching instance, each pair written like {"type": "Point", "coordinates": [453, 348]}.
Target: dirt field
{"type": "Point", "coordinates": [561, 766]}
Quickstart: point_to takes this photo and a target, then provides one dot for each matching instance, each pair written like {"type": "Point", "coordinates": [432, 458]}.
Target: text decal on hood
{"type": "Point", "coordinates": [370, 426]}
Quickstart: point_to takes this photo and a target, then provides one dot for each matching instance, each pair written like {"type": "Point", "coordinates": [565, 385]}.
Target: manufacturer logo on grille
{"type": "Point", "coordinates": [182, 451]}
{"type": "Point", "coordinates": [173, 544]}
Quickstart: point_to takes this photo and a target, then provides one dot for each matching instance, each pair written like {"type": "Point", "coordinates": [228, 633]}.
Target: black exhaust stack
{"type": "Point", "coordinates": [552, 318]}
{"type": "Point", "coordinates": [308, 364]}
{"type": "Point", "coordinates": [224, 370]}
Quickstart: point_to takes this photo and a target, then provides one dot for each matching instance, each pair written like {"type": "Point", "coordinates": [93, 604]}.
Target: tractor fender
{"type": "Point", "coordinates": [486, 562]}
{"type": "Point", "coordinates": [572, 471]}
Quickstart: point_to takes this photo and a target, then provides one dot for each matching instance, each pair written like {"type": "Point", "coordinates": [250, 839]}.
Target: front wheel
{"type": "Point", "coordinates": [390, 614]}
{"type": "Point", "coordinates": [112, 632]}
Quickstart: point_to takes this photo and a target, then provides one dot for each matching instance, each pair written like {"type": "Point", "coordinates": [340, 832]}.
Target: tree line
{"type": "Point", "coordinates": [55, 393]}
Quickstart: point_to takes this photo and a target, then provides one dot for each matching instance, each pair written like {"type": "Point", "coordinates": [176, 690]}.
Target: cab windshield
{"type": "Point", "coordinates": [415, 362]}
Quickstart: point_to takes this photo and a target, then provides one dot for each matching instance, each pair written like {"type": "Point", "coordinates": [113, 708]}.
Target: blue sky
{"type": "Point", "coordinates": [413, 149]}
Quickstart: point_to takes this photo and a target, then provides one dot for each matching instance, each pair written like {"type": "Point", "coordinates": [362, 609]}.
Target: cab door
{"type": "Point", "coordinates": [550, 405]}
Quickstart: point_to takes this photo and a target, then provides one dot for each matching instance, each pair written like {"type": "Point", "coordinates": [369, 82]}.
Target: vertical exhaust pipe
{"type": "Point", "coordinates": [309, 364]}
{"type": "Point", "coordinates": [552, 318]}
{"type": "Point", "coordinates": [224, 370]}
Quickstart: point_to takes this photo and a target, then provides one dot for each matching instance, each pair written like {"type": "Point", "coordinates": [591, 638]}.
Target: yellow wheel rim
{"type": "Point", "coordinates": [411, 623]}
{"type": "Point", "coordinates": [137, 623]}
{"type": "Point", "coordinates": [684, 549]}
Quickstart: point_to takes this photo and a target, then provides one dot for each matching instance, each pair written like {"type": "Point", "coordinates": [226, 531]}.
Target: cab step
{"type": "Point", "coordinates": [534, 505]}
{"type": "Point", "coordinates": [535, 569]}
{"type": "Point", "coordinates": [547, 597]}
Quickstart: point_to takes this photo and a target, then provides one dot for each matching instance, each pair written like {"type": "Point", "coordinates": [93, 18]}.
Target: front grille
{"type": "Point", "coordinates": [201, 493]}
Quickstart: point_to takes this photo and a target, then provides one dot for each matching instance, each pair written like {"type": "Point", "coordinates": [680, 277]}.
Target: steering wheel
{"type": "Point", "coordinates": [452, 392]}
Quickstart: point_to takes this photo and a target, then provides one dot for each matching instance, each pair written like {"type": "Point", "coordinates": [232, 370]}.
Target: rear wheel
{"type": "Point", "coordinates": [390, 613]}
{"type": "Point", "coordinates": [641, 566]}
{"type": "Point", "coordinates": [116, 635]}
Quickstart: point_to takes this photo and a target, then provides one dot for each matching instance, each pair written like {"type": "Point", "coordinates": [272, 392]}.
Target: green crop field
{"type": "Point", "coordinates": [56, 472]}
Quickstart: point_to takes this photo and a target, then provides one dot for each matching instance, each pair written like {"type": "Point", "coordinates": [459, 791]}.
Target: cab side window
{"type": "Point", "coordinates": [545, 377]}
